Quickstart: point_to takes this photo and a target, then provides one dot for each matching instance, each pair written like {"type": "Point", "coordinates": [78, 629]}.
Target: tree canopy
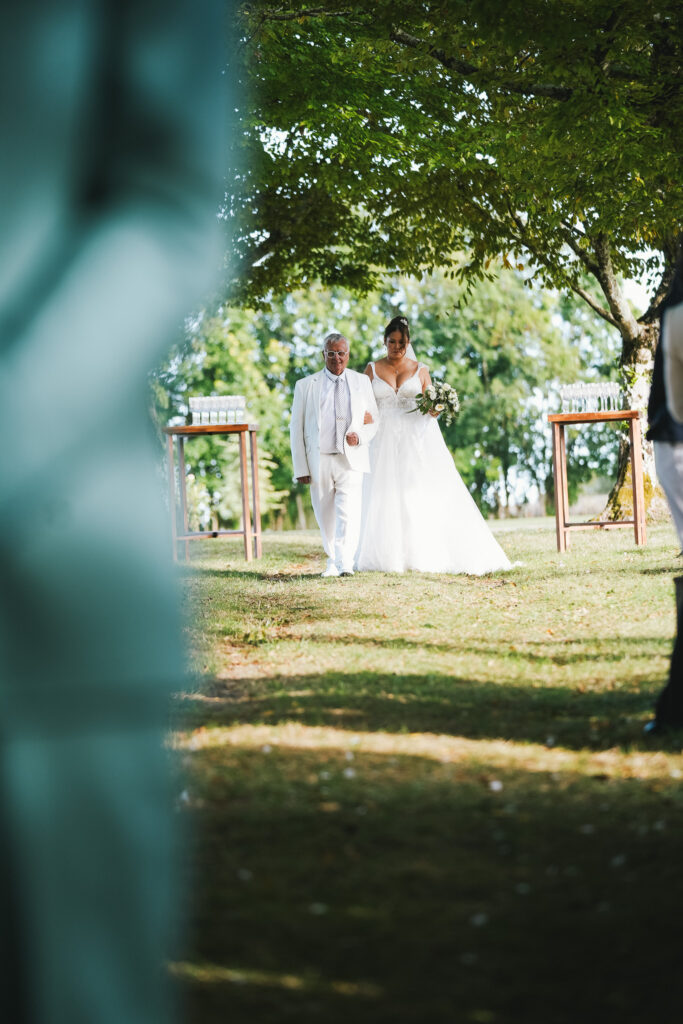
{"type": "Point", "coordinates": [389, 137]}
{"type": "Point", "coordinates": [394, 135]}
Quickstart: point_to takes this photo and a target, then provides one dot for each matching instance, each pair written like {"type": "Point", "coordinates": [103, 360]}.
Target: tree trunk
{"type": "Point", "coordinates": [637, 358]}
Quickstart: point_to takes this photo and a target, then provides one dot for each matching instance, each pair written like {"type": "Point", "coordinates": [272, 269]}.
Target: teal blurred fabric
{"type": "Point", "coordinates": [110, 179]}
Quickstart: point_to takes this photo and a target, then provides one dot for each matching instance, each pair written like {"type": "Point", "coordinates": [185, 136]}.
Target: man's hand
{"type": "Point", "coordinates": [303, 479]}
{"type": "Point", "coordinates": [353, 439]}
{"type": "Point", "coordinates": [367, 418]}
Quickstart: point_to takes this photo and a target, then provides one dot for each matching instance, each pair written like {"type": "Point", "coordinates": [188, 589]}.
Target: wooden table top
{"type": "Point", "coordinates": [211, 428]}
{"type": "Point", "coordinates": [593, 417]}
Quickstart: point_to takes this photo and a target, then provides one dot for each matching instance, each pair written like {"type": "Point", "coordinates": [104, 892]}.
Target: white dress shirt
{"type": "Point", "coordinates": [328, 421]}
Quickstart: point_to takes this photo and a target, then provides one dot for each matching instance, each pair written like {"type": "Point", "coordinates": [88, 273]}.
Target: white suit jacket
{"type": "Point", "coordinates": [304, 430]}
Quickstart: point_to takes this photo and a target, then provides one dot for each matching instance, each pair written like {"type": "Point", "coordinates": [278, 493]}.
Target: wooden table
{"type": "Point", "coordinates": [563, 526]}
{"type": "Point", "coordinates": [251, 534]}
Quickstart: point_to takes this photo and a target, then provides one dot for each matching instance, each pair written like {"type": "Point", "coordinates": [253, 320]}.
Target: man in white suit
{"type": "Point", "coordinates": [334, 418]}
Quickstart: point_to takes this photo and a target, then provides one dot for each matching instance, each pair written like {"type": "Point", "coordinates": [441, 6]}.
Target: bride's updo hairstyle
{"type": "Point", "coordinates": [400, 324]}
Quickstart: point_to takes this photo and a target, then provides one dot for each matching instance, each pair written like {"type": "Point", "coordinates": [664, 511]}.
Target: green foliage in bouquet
{"type": "Point", "coordinates": [441, 398]}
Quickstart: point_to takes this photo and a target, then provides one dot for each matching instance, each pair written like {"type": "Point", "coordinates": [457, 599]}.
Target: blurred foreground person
{"type": "Point", "coordinates": [109, 183]}
{"type": "Point", "coordinates": [665, 412]}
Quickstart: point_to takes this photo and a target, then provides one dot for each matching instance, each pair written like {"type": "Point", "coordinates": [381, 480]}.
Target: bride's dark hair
{"type": "Point", "coordinates": [399, 323]}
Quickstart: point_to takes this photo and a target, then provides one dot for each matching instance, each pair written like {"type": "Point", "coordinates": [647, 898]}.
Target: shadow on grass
{"type": "Point", "coordinates": [522, 575]}
{"type": "Point", "coordinates": [501, 709]}
{"type": "Point", "coordinates": [535, 652]}
{"type": "Point", "coordinates": [674, 571]}
{"type": "Point", "coordinates": [312, 575]}
{"type": "Point", "coordinates": [413, 892]}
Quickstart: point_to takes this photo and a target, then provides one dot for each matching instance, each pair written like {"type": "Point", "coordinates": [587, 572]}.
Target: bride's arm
{"type": "Point", "coordinates": [371, 417]}
{"type": "Point", "coordinates": [368, 371]}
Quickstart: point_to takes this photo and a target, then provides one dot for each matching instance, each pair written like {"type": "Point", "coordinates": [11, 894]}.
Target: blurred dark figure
{"type": "Point", "coordinates": [665, 414]}
{"type": "Point", "coordinates": [109, 181]}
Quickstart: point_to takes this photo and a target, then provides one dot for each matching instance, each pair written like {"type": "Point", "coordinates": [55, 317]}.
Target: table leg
{"type": "Point", "coordinates": [558, 488]}
{"type": "Point", "coordinates": [639, 527]}
{"type": "Point", "coordinates": [256, 494]}
{"type": "Point", "coordinates": [171, 496]}
{"type": "Point", "coordinates": [183, 491]}
{"type": "Point", "coordinates": [565, 484]}
{"type": "Point", "coordinates": [246, 512]}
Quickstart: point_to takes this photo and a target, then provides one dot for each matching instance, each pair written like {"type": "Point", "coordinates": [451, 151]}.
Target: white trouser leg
{"type": "Point", "coordinates": [322, 500]}
{"type": "Point", "coordinates": [336, 499]}
{"type": "Point", "coordinates": [349, 488]}
{"type": "Point", "coordinates": [669, 465]}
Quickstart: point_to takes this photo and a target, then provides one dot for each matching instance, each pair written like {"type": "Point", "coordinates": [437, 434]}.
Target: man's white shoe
{"type": "Point", "coordinates": [331, 570]}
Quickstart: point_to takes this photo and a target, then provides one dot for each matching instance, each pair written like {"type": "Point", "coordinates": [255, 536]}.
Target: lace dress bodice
{"type": "Point", "coordinates": [392, 402]}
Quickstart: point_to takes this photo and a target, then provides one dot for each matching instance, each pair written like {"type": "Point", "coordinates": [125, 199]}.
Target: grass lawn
{"type": "Point", "coordinates": [427, 798]}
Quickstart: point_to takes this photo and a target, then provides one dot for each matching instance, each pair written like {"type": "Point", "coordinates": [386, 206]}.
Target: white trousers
{"type": "Point", "coordinates": [336, 498]}
{"type": "Point", "coordinates": [669, 466]}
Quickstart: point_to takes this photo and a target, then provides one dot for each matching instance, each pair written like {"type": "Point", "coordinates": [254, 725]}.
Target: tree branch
{"type": "Point", "coordinates": [462, 67]}
{"type": "Point", "coordinates": [670, 255]}
{"type": "Point", "coordinates": [524, 237]}
{"type": "Point", "coordinates": [467, 70]}
{"type": "Point", "coordinates": [600, 310]}
{"type": "Point", "coordinates": [619, 307]}
{"type": "Point", "coordinates": [652, 312]}
{"type": "Point", "coordinates": [543, 258]}
{"type": "Point", "coordinates": [568, 236]}
{"type": "Point", "coordinates": [256, 31]}
{"type": "Point", "coordinates": [310, 12]}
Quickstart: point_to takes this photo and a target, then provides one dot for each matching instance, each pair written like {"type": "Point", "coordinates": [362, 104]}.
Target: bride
{"type": "Point", "coordinates": [417, 512]}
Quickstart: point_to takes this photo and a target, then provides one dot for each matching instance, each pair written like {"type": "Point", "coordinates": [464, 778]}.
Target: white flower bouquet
{"type": "Point", "coordinates": [441, 398]}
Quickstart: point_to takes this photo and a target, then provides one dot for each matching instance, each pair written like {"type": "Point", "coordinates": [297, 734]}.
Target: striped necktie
{"type": "Point", "coordinates": [339, 416]}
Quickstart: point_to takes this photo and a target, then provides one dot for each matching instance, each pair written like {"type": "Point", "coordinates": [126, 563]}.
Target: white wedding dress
{"type": "Point", "coordinates": [417, 512]}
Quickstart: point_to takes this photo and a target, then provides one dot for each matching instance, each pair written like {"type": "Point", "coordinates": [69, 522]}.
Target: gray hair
{"type": "Point", "coordinates": [331, 339]}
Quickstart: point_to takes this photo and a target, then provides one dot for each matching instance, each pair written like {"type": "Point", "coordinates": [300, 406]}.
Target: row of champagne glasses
{"type": "Point", "coordinates": [602, 397]}
{"type": "Point", "coordinates": [218, 409]}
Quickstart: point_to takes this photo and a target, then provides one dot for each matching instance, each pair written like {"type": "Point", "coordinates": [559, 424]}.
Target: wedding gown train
{"type": "Point", "coordinates": [417, 512]}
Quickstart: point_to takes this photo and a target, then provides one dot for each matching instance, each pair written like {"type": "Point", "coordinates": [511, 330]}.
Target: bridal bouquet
{"type": "Point", "coordinates": [440, 397]}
